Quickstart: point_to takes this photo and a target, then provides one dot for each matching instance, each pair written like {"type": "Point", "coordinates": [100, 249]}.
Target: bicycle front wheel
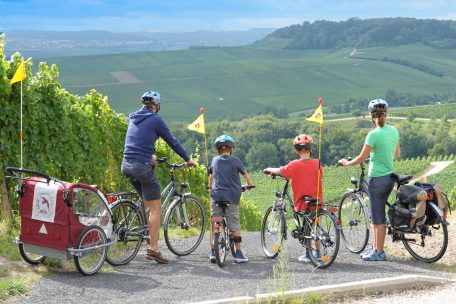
{"type": "Point", "coordinates": [129, 227]}
{"type": "Point", "coordinates": [354, 222]}
{"type": "Point", "coordinates": [273, 230]}
{"type": "Point", "coordinates": [184, 225]}
{"type": "Point", "coordinates": [92, 252]}
{"type": "Point", "coordinates": [430, 245]}
{"type": "Point", "coordinates": [324, 239]}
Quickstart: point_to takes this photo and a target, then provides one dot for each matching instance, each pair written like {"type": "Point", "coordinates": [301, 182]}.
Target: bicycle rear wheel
{"type": "Point", "coordinates": [273, 230]}
{"type": "Point", "coordinates": [220, 245]}
{"type": "Point", "coordinates": [129, 226]}
{"type": "Point", "coordinates": [430, 245]}
{"type": "Point", "coordinates": [91, 258]}
{"type": "Point", "coordinates": [354, 222]}
{"type": "Point", "coordinates": [184, 225]}
{"type": "Point", "coordinates": [324, 243]}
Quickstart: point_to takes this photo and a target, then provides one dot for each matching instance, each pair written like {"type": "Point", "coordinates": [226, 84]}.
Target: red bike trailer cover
{"type": "Point", "coordinates": [46, 219]}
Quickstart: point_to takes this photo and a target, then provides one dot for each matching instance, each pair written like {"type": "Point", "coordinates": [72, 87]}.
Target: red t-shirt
{"type": "Point", "coordinates": [304, 180]}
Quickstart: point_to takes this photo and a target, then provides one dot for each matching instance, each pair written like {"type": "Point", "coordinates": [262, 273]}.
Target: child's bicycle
{"type": "Point", "coordinates": [316, 230]}
{"type": "Point", "coordinates": [223, 240]}
{"type": "Point", "coordinates": [61, 220]}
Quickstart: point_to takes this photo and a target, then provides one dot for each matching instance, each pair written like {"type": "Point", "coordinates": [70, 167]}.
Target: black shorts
{"type": "Point", "coordinates": [143, 178]}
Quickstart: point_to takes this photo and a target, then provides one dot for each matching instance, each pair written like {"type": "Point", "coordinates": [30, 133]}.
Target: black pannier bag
{"type": "Point", "coordinates": [409, 210]}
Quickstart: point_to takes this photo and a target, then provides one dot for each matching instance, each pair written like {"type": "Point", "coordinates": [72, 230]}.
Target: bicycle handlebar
{"type": "Point", "coordinates": [274, 176]}
{"type": "Point", "coordinates": [245, 187]}
{"type": "Point", "coordinates": [165, 160]}
{"type": "Point", "coordinates": [366, 161]}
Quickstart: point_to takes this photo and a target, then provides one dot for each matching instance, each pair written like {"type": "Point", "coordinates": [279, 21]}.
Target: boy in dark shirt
{"type": "Point", "coordinates": [226, 186]}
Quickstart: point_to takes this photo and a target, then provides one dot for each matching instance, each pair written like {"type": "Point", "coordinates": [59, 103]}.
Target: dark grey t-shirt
{"type": "Point", "coordinates": [226, 183]}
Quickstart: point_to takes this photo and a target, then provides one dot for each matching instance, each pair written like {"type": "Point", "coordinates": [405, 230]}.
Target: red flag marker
{"type": "Point", "coordinates": [321, 100]}
{"type": "Point", "coordinates": [202, 110]}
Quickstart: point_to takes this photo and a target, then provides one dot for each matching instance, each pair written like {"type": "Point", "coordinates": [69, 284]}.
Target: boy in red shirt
{"type": "Point", "coordinates": [305, 174]}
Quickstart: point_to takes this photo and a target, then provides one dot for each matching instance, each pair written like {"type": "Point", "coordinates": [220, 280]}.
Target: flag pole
{"type": "Point", "coordinates": [319, 162]}
{"type": "Point", "coordinates": [20, 132]}
{"type": "Point", "coordinates": [205, 142]}
{"type": "Point", "coordinates": [208, 177]}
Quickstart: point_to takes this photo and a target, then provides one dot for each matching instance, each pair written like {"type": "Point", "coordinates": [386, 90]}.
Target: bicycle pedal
{"type": "Point", "coordinates": [295, 234]}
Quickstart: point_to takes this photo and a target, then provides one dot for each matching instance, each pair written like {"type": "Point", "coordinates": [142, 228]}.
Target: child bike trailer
{"type": "Point", "coordinates": [62, 220]}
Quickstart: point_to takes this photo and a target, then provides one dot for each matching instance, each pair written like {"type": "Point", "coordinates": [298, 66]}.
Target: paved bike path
{"type": "Point", "coordinates": [193, 278]}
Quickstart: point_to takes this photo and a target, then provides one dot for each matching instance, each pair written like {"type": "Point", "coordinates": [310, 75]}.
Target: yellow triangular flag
{"type": "Point", "coordinates": [20, 73]}
{"type": "Point", "coordinates": [198, 125]}
{"type": "Point", "coordinates": [317, 116]}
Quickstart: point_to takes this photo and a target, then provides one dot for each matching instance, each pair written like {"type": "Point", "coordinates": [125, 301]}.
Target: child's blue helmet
{"type": "Point", "coordinates": [151, 97]}
{"type": "Point", "coordinates": [224, 140]}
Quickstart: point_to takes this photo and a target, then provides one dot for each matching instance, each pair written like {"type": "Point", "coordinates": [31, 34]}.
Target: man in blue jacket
{"type": "Point", "coordinates": [144, 128]}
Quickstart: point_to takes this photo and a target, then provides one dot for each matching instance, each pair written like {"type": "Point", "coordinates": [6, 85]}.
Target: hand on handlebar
{"type": "Point", "coordinates": [247, 187]}
{"type": "Point", "coordinates": [342, 162]}
{"type": "Point", "coordinates": [191, 163]}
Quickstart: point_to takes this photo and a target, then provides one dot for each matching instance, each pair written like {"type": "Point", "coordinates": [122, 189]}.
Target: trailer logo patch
{"type": "Point", "coordinates": [44, 201]}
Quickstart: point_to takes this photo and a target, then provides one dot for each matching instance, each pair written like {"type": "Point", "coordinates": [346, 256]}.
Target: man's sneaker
{"type": "Point", "coordinates": [239, 257]}
{"type": "Point", "coordinates": [212, 256]}
{"type": "Point", "coordinates": [366, 252]}
{"type": "Point", "coordinates": [375, 256]}
{"type": "Point", "coordinates": [304, 258]}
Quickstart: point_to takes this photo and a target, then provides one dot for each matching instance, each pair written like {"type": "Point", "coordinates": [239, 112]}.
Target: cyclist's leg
{"type": "Point", "coordinates": [216, 211]}
{"type": "Point", "coordinates": [234, 223]}
{"type": "Point", "coordinates": [153, 222]}
{"type": "Point", "coordinates": [379, 189]}
{"type": "Point", "coordinates": [143, 178]}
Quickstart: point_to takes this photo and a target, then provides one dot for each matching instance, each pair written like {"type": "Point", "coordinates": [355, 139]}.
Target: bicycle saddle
{"type": "Point", "coordinates": [222, 203]}
{"type": "Point", "coordinates": [310, 201]}
{"type": "Point", "coordinates": [401, 178]}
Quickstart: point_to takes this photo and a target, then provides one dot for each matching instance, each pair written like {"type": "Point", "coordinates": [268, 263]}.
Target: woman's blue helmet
{"type": "Point", "coordinates": [151, 97]}
{"type": "Point", "coordinates": [224, 140]}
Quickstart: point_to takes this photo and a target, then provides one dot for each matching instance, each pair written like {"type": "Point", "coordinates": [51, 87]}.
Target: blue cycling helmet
{"type": "Point", "coordinates": [224, 140]}
{"type": "Point", "coordinates": [377, 105]}
{"type": "Point", "coordinates": [151, 97]}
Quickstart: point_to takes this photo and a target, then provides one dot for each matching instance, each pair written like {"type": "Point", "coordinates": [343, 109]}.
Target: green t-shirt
{"type": "Point", "coordinates": [384, 143]}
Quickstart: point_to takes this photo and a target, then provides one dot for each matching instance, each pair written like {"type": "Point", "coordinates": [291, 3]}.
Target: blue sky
{"type": "Point", "coordinates": [181, 15]}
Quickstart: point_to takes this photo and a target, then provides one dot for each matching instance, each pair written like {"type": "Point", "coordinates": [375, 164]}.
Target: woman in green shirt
{"type": "Point", "coordinates": [382, 144]}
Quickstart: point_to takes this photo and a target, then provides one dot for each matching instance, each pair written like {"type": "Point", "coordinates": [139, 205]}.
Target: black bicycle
{"type": "Point", "coordinates": [223, 239]}
{"type": "Point", "coordinates": [354, 214]}
{"type": "Point", "coordinates": [427, 239]}
{"type": "Point", "coordinates": [184, 222]}
{"type": "Point", "coordinates": [316, 230]}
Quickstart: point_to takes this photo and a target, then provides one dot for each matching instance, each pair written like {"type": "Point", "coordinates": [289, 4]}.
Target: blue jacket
{"type": "Point", "coordinates": [144, 128]}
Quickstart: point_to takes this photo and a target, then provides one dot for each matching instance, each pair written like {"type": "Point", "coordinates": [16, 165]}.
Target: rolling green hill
{"type": "Point", "coordinates": [240, 82]}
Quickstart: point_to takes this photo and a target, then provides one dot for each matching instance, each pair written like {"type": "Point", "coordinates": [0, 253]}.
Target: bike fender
{"type": "Point", "coordinates": [174, 202]}
{"type": "Point", "coordinates": [439, 212]}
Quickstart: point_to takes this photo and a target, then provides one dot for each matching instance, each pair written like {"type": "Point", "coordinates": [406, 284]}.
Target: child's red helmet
{"type": "Point", "coordinates": [303, 141]}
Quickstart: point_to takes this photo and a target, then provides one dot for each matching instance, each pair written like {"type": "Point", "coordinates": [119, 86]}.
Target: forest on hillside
{"type": "Point", "coordinates": [357, 32]}
{"type": "Point", "coordinates": [265, 141]}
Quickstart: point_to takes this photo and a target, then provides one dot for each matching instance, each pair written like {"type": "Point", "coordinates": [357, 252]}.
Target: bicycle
{"type": "Point", "coordinates": [354, 215]}
{"type": "Point", "coordinates": [184, 223]}
{"type": "Point", "coordinates": [223, 240]}
{"type": "Point", "coordinates": [433, 230]}
{"type": "Point", "coordinates": [317, 230]}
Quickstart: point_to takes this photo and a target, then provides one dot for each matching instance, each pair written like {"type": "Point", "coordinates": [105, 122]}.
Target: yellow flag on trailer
{"type": "Point", "coordinates": [20, 73]}
{"type": "Point", "coordinates": [317, 116]}
{"type": "Point", "coordinates": [198, 125]}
